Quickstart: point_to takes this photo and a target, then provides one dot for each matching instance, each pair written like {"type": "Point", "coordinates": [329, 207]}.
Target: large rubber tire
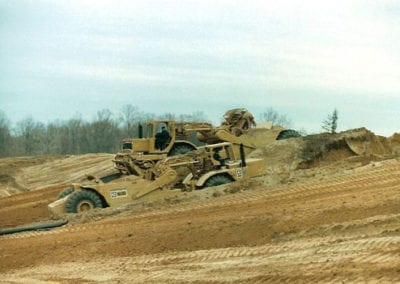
{"type": "Point", "coordinates": [65, 192]}
{"type": "Point", "coordinates": [289, 133]}
{"type": "Point", "coordinates": [218, 180]}
{"type": "Point", "coordinates": [82, 201]}
{"type": "Point", "coordinates": [180, 150]}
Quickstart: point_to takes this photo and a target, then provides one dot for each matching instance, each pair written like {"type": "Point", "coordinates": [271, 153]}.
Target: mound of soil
{"type": "Point", "coordinates": [323, 149]}
{"type": "Point", "coordinates": [11, 185]}
{"type": "Point", "coordinates": [394, 142]}
{"type": "Point", "coordinates": [33, 173]}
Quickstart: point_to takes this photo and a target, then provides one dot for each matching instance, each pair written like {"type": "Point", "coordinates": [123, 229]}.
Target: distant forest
{"type": "Point", "coordinates": [77, 136]}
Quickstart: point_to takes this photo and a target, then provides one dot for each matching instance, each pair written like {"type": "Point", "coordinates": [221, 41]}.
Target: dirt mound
{"type": "Point", "coordinates": [9, 182]}
{"type": "Point", "coordinates": [394, 142]}
{"type": "Point", "coordinates": [10, 167]}
{"type": "Point", "coordinates": [32, 173]}
{"type": "Point", "coordinates": [322, 149]}
{"type": "Point", "coordinates": [356, 145]}
{"type": "Point", "coordinates": [261, 136]}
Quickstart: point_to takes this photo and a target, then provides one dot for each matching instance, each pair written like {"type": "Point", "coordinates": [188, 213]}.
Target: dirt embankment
{"type": "Point", "coordinates": [340, 151]}
{"type": "Point", "coordinates": [287, 162]}
{"type": "Point", "coordinates": [343, 229]}
{"type": "Point", "coordinates": [282, 157]}
{"type": "Point", "coordinates": [328, 206]}
{"type": "Point", "coordinates": [33, 173]}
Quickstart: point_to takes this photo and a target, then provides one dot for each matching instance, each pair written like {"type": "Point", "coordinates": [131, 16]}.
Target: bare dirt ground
{"type": "Point", "coordinates": [33, 173]}
{"type": "Point", "coordinates": [333, 219]}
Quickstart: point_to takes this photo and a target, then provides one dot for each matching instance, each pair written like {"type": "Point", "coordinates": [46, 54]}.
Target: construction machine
{"type": "Point", "coordinates": [138, 156]}
{"type": "Point", "coordinates": [192, 171]}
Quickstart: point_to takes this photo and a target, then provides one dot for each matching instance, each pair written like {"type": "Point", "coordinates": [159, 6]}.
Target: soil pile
{"type": "Point", "coordinates": [394, 142]}
{"type": "Point", "coordinates": [32, 173]}
{"type": "Point", "coordinates": [355, 147]}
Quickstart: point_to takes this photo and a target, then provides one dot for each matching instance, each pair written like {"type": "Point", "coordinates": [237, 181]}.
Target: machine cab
{"type": "Point", "coordinates": [221, 154]}
{"type": "Point", "coordinates": [155, 136]}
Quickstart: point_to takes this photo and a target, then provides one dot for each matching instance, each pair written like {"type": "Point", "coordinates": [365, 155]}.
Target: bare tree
{"type": "Point", "coordinates": [104, 132]}
{"type": "Point", "coordinates": [5, 135]}
{"type": "Point", "coordinates": [168, 116]}
{"type": "Point", "coordinates": [31, 135]}
{"type": "Point", "coordinates": [197, 116]}
{"type": "Point", "coordinates": [68, 137]}
{"type": "Point", "coordinates": [53, 139]}
{"type": "Point", "coordinates": [275, 117]}
{"type": "Point", "coordinates": [330, 123]}
{"type": "Point", "coordinates": [129, 118]}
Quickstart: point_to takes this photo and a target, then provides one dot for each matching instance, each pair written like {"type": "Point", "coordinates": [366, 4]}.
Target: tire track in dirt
{"type": "Point", "coordinates": [63, 171]}
{"type": "Point", "coordinates": [368, 181]}
{"type": "Point", "coordinates": [317, 258]}
{"type": "Point", "coordinates": [363, 247]}
{"type": "Point", "coordinates": [291, 192]}
{"type": "Point", "coordinates": [372, 226]}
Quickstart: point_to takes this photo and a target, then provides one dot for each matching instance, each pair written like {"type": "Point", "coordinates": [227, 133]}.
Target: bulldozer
{"type": "Point", "coordinates": [138, 156]}
{"type": "Point", "coordinates": [208, 166]}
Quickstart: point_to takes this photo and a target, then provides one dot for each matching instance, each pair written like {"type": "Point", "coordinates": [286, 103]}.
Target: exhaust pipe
{"type": "Point", "coordinates": [140, 130]}
{"type": "Point", "coordinates": [242, 155]}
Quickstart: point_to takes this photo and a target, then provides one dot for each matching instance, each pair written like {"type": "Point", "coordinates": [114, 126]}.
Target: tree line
{"type": "Point", "coordinates": [77, 136]}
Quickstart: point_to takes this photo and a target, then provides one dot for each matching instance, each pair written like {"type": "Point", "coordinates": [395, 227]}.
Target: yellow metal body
{"type": "Point", "coordinates": [191, 170]}
{"type": "Point", "coordinates": [138, 156]}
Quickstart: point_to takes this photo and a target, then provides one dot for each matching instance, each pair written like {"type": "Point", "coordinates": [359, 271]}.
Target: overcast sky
{"type": "Point", "coordinates": [303, 58]}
